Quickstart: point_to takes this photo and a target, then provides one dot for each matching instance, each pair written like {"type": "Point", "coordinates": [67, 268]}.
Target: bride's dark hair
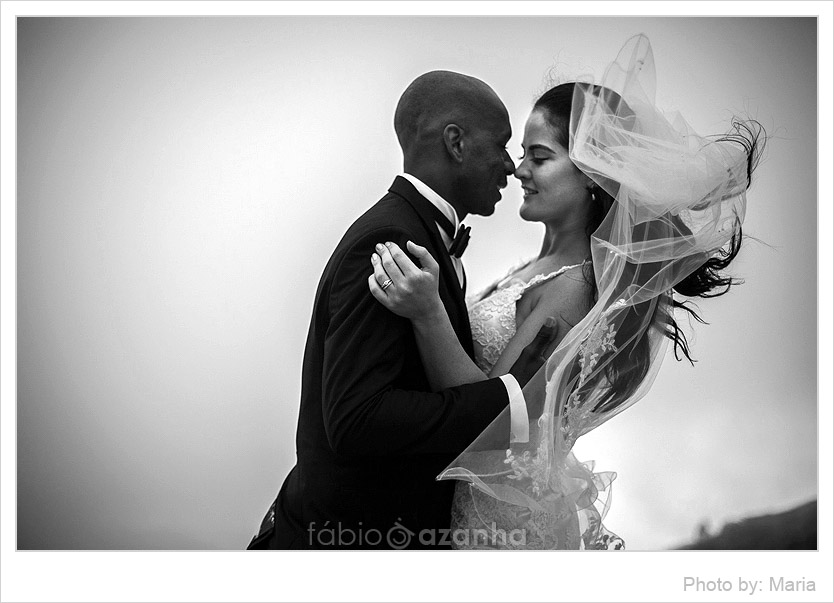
{"type": "Point", "coordinates": [627, 370]}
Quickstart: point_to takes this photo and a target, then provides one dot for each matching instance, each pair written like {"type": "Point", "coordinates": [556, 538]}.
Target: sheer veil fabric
{"type": "Point", "coordinates": [679, 198]}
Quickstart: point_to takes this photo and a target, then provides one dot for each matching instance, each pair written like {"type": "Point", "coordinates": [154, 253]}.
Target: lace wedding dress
{"type": "Point", "coordinates": [475, 515]}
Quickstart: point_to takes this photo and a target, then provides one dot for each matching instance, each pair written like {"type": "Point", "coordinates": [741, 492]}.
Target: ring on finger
{"type": "Point", "coordinates": [386, 284]}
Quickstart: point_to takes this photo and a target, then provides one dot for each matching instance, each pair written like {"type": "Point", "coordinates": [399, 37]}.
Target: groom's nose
{"type": "Point", "coordinates": [509, 166]}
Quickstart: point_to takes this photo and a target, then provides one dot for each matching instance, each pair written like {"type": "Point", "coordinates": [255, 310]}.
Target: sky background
{"type": "Point", "coordinates": [181, 183]}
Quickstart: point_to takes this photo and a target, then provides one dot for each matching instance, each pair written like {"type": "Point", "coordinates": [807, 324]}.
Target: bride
{"type": "Point", "coordinates": [640, 213]}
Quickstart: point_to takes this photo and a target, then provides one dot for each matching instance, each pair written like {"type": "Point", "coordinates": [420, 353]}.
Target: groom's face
{"type": "Point", "coordinates": [486, 165]}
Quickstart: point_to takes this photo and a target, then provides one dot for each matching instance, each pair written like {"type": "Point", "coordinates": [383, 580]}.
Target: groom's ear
{"type": "Point", "coordinates": [453, 140]}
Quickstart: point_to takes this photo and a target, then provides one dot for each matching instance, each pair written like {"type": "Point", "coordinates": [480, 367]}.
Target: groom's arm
{"type": "Point", "coordinates": [370, 406]}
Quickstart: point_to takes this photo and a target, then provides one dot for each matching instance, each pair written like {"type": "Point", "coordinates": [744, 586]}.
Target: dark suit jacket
{"type": "Point", "coordinates": [371, 435]}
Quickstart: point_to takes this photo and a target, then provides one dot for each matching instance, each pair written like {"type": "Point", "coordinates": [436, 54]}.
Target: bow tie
{"type": "Point", "coordinates": [460, 239]}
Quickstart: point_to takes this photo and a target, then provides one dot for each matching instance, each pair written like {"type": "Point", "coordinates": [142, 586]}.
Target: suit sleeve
{"type": "Point", "coordinates": [368, 353]}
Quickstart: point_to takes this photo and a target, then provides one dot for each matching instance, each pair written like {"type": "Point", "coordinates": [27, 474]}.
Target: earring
{"type": "Point", "coordinates": [593, 196]}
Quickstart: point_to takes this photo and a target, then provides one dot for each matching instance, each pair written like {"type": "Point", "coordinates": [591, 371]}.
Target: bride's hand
{"type": "Point", "coordinates": [412, 292]}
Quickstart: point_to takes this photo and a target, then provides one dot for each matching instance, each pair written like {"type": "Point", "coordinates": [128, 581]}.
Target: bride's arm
{"type": "Point", "coordinates": [413, 294]}
{"type": "Point", "coordinates": [444, 360]}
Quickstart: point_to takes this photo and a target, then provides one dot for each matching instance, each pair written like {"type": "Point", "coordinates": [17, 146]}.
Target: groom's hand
{"type": "Point", "coordinates": [534, 356]}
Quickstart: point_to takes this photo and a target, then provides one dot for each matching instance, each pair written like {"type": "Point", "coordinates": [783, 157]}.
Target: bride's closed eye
{"type": "Point", "coordinates": [534, 159]}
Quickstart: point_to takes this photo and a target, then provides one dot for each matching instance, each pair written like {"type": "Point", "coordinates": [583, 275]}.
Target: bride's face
{"type": "Point", "coordinates": [555, 191]}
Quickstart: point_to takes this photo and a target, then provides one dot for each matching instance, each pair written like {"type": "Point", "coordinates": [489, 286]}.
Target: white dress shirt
{"type": "Point", "coordinates": [519, 425]}
{"type": "Point", "coordinates": [447, 210]}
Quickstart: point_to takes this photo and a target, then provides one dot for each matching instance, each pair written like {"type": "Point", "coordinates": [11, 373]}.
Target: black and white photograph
{"type": "Point", "coordinates": [284, 287]}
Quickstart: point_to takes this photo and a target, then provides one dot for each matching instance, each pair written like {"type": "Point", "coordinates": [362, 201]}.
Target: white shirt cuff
{"type": "Point", "coordinates": [519, 422]}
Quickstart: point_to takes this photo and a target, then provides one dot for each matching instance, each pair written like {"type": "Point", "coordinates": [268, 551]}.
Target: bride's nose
{"type": "Point", "coordinates": [521, 172]}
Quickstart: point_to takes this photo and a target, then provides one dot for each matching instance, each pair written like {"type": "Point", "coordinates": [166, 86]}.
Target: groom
{"type": "Point", "coordinates": [371, 434]}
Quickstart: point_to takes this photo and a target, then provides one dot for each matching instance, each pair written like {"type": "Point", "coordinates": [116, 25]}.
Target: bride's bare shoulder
{"type": "Point", "coordinates": [566, 295]}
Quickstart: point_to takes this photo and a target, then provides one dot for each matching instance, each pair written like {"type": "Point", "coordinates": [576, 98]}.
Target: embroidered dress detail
{"type": "Point", "coordinates": [598, 341]}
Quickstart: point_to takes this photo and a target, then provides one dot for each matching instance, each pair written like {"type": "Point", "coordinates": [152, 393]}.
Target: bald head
{"type": "Point", "coordinates": [439, 98]}
{"type": "Point", "coordinates": [454, 130]}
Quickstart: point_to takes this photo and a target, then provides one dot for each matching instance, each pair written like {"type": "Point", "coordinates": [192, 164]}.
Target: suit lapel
{"type": "Point", "coordinates": [450, 290]}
